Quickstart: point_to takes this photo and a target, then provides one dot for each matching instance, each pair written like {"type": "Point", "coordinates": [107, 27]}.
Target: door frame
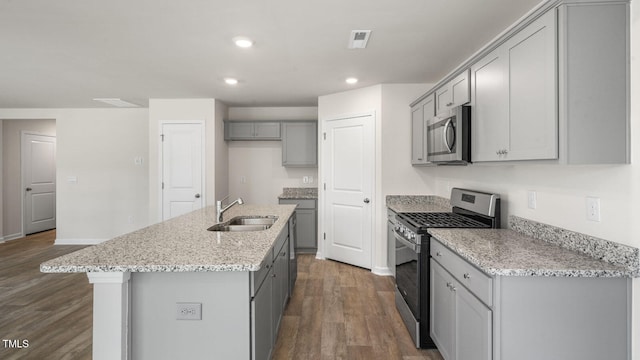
{"type": "Point", "coordinates": [322, 162]}
{"type": "Point", "coordinates": [23, 207]}
{"type": "Point", "coordinates": [161, 160]}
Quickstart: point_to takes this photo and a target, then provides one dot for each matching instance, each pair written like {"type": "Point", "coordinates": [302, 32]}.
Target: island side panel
{"type": "Point", "coordinates": [223, 332]}
{"type": "Point", "coordinates": [567, 318]}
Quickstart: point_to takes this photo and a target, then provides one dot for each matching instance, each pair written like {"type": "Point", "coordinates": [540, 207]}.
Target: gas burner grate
{"type": "Point", "coordinates": [441, 220]}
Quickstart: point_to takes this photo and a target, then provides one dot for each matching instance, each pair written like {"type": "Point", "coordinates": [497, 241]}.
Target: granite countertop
{"type": "Point", "coordinates": [505, 252]}
{"type": "Point", "coordinates": [299, 193]}
{"type": "Point", "coordinates": [417, 203]}
{"type": "Point", "coordinates": [181, 244]}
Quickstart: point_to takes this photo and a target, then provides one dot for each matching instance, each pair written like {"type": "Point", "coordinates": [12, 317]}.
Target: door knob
{"type": "Point", "coordinates": [366, 200]}
{"type": "Point", "coordinates": [28, 189]}
{"type": "Point", "coordinates": [197, 196]}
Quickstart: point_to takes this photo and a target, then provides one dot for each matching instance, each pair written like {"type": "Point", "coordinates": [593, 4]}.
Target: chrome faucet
{"type": "Point", "coordinates": [220, 210]}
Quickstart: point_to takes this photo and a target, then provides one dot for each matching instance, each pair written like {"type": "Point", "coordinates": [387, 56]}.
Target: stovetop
{"type": "Point", "coordinates": [419, 222]}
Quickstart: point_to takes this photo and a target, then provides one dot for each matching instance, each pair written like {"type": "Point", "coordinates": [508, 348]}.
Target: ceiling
{"type": "Point", "coordinates": [64, 53]}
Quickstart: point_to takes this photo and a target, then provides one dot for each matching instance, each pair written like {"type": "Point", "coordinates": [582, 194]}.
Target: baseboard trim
{"type": "Point", "coordinates": [382, 271]}
{"type": "Point", "coordinates": [79, 241]}
{"type": "Point", "coordinates": [12, 237]}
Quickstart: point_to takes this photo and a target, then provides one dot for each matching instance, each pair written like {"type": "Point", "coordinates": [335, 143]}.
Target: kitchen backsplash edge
{"type": "Point", "coordinates": [602, 249]}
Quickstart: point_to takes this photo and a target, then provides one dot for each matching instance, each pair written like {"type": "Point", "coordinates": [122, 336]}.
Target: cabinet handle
{"type": "Point", "coordinates": [420, 159]}
{"type": "Point", "coordinates": [453, 288]}
{"type": "Point", "coordinates": [449, 285]}
{"type": "Point", "coordinates": [274, 275]}
{"type": "Point", "coordinates": [268, 266]}
{"type": "Point", "coordinates": [438, 253]}
{"type": "Point", "coordinates": [449, 104]}
{"type": "Point", "coordinates": [466, 276]}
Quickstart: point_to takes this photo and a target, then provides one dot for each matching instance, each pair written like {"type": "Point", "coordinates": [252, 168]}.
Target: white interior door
{"type": "Point", "coordinates": [39, 182]}
{"type": "Point", "coordinates": [182, 169]}
{"type": "Point", "coordinates": [348, 154]}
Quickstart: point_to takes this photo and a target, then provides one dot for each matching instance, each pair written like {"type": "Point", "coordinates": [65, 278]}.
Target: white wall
{"type": "Point", "coordinates": [260, 162]}
{"type": "Point", "coordinates": [98, 146]}
{"type": "Point", "coordinates": [180, 110]}
{"type": "Point", "coordinates": [12, 193]}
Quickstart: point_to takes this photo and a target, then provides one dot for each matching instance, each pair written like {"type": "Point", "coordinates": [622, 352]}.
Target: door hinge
{"type": "Point", "coordinates": [325, 186]}
{"type": "Point", "coordinates": [324, 135]}
{"type": "Point", "coordinates": [324, 236]}
{"type": "Point", "coordinates": [163, 185]}
{"type": "Point", "coordinates": [161, 137]}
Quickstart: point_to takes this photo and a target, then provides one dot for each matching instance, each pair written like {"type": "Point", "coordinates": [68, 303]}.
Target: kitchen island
{"type": "Point", "coordinates": [145, 280]}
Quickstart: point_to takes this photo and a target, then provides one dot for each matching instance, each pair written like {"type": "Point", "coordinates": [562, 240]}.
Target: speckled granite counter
{"type": "Point", "coordinates": [508, 253]}
{"type": "Point", "coordinates": [299, 193]}
{"type": "Point", "coordinates": [417, 203]}
{"type": "Point", "coordinates": [182, 244]}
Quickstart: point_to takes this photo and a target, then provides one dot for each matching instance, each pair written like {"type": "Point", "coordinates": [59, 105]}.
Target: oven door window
{"type": "Point", "coordinates": [408, 276]}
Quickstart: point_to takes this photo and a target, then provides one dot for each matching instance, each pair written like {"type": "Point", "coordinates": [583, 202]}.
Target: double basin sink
{"type": "Point", "coordinates": [246, 223]}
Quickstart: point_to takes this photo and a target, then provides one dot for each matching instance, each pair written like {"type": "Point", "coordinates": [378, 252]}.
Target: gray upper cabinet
{"type": "Point", "coordinates": [300, 144]}
{"type": "Point", "coordinates": [421, 113]}
{"type": "Point", "coordinates": [251, 130]}
{"type": "Point", "coordinates": [454, 93]}
{"type": "Point", "coordinates": [514, 99]}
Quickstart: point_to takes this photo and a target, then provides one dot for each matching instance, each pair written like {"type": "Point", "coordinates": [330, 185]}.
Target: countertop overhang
{"type": "Point", "coordinates": [181, 244]}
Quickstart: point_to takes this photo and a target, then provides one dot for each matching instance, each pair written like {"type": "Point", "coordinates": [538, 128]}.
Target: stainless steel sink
{"type": "Point", "coordinates": [253, 220]}
{"type": "Point", "coordinates": [245, 223]}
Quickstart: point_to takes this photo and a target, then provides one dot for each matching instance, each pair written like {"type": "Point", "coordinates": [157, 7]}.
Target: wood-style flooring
{"type": "Point", "coordinates": [53, 312]}
{"type": "Point", "coordinates": [337, 311]}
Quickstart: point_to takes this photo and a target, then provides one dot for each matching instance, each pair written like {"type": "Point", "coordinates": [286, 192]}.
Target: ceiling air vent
{"type": "Point", "coordinates": [359, 39]}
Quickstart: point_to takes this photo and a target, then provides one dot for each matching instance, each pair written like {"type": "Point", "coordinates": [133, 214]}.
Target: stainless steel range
{"type": "Point", "coordinates": [470, 209]}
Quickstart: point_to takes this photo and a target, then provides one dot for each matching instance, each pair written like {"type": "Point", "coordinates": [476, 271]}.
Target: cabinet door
{"type": "Point", "coordinates": [418, 155]}
{"type": "Point", "coordinates": [490, 111]}
{"type": "Point", "coordinates": [473, 326]}
{"type": "Point", "coordinates": [280, 286]}
{"type": "Point", "coordinates": [306, 231]}
{"type": "Point", "coordinates": [299, 144]}
{"type": "Point", "coordinates": [442, 311]}
{"type": "Point", "coordinates": [267, 130]}
{"type": "Point", "coordinates": [443, 99]}
{"type": "Point", "coordinates": [460, 89]}
{"type": "Point", "coordinates": [239, 130]}
{"type": "Point", "coordinates": [533, 119]}
{"type": "Point", "coordinates": [261, 321]}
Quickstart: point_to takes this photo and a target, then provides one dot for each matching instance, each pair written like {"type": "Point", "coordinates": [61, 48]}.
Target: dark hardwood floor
{"type": "Point", "coordinates": [337, 311]}
{"type": "Point", "coordinates": [53, 312]}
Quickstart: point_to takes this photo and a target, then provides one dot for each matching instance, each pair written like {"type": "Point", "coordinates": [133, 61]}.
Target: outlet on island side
{"type": "Point", "coordinates": [188, 311]}
{"type": "Point", "coordinates": [532, 199]}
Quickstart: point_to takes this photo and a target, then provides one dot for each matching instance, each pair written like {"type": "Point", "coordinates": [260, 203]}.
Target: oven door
{"type": "Point", "coordinates": [408, 273]}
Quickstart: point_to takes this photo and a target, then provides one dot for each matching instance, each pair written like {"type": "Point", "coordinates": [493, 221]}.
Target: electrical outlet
{"type": "Point", "coordinates": [593, 208]}
{"type": "Point", "coordinates": [305, 179]}
{"type": "Point", "coordinates": [188, 311]}
{"type": "Point", "coordinates": [532, 199]}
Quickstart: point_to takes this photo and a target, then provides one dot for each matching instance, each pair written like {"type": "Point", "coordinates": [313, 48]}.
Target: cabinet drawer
{"type": "Point", "coordinates": [479, 283]}
{"type": "Point", "coordinates": [302, 203]}
{"type": "Point", "coordinates": [257, 277]}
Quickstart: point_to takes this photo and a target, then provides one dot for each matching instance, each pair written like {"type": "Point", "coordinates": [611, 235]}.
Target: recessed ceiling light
{"type": "Point", "coordinates": [243, 42]}
{"type": "Point", "coordinates": [351, 80]}
{"type": "Point", "coordinates": [116, 102]}
{"type": "Point", "coordinates": [231, 81]}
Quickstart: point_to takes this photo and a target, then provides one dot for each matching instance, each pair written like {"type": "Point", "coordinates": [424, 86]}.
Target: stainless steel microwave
{"type": "Point", "coordinates": [449, 137]}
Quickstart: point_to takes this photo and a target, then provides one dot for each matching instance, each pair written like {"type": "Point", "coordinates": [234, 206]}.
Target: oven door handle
{"type": "Point", "coordinates": [407, 243]}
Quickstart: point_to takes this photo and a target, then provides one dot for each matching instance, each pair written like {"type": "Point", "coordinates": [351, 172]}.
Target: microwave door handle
{"type": "Point", "coordinates": [445, 133]}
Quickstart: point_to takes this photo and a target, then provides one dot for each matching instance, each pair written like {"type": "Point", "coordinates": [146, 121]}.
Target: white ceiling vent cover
{"type": "Point", "coordinates": [359, 39]}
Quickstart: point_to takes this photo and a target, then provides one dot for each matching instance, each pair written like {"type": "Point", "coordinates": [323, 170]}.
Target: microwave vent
{"type": "Point", "coordinates": [359, 39]}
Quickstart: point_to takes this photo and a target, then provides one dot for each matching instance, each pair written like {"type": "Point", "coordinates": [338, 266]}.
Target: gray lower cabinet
{"type": "Point", "coordinates": [460, 323]}
{"type": "Point", "coordinates": [300, 144]}
{"type": "Point", "coordinates": [306, 230]}
{"type": "Point", "coordinates": [477, 316]}
{"type": "Point", "coordinates": [251, 130]}
{"type": "Point", "coordinates": [270, 292]}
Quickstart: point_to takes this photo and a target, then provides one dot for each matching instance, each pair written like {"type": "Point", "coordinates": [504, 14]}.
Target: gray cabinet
{"type": "Point", "coordinates": [270, 292]}
{"type": "Point", "coordinates": [454, 93]}
{"type": "Point", "coordinates": [306, 227]}
{"type": "Point", "coordinates": [476, 316]}
{"type": "Point", "coordinates": [421, 113]}
{"type": "Point", "coordinates": [514, 98]}
{"type": "Point", "coordinates": [300, 144]}
{"type": "Point", "coordinates": [251, 130]}
{"type": "Point", "coordinates": [461, 325]}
